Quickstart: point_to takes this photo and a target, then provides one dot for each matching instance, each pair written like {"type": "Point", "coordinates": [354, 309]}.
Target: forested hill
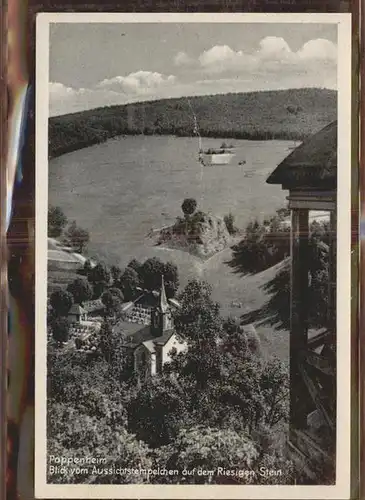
{"type": "Point", "coordinates": [282, 114]}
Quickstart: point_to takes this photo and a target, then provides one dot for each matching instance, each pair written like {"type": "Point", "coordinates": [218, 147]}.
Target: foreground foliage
{"type": "Point", "coordinates": [213, 406]}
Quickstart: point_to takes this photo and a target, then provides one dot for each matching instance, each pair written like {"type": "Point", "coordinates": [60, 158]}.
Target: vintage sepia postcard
{"type": "Point", "coordinates": [193, 240]}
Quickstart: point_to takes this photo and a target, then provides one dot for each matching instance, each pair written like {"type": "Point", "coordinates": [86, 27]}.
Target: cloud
{"type": "Point", "coordinates": [138, 83]}
{"type": "Point", "coordinates": [63, 99]}
{"type": "Point", "coordinates": [141, 85]}
{"type": "Point", "coordinates": [271, 51]}
{"type": "Point", "coordinates": [221, 58]}
{"type": "Point", "coordinates": [59, 90]}
{"type": "Point", "coordinates": [217, 54]}
{"type": "Point", "coordinates": [273, 47]}
{"type": "Point", "coordinates": [319, 49]}
{"type": "Point", "coordinates": [182, 59]}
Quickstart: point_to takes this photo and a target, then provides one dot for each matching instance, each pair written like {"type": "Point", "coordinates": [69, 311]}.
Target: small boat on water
{"type": "Point", "coordinates": [221, 156]}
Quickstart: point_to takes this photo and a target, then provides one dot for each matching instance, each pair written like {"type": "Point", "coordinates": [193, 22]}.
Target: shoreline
{"type": "Point", "coordinates": [80, 147]}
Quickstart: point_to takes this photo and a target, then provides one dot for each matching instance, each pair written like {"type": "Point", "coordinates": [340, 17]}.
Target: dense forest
{"type": "Point", "coordinates": [282, 114]}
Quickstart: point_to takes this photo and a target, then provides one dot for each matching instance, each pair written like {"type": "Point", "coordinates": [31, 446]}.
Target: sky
{"type": "Point", "coordinates": [94, 64]}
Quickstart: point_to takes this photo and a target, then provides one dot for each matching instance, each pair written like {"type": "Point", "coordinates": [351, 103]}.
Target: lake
{"type": "Point", "coordinates": [121, 189]}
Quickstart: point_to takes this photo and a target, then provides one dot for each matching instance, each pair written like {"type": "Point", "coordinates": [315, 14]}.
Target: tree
{"type": "Point", "coordinates": [135, 264]}
{"type": "Point", "coordinates": [235, 343]}
{"type": "Point", "coordinates": [229, 222]}
{"type": "Point", "coordinates": [74, 433]}
{"type": "Point", "coordinates": [276, 312]}
{"type": "Point", "coordinates": [77, 237]}
{"type": "Point", "coordinates": [106, 334]}
{"type": "Point", "coordinates": [274, 385]}
{"type": "Point", "coordinates": [80, 290]}
{"type": "Point", "coordinates": [189, 206]}
{"type": "Point", "coordinates": [60, 329]}
{"type": "Point", "coordinates": [128, 283]}
{"type": "Point", "coordinates": [203, 448]}
{"type": "Point", "coordinates": [198, 322]}
{"type": "Point", "coordinates": [171, 279]}
{"type": "Point", "coordinates": [151, 274]}
{"type": "Point", "coordinates": [157, 411]}
{"type": "Point", "coordinates": [198, 317]}
{"type": "Point", "coordinates": [263, 247]}
{"type": "Point", "coordinates": [61, 302]}
{"type": "Point", "coordinates": [87, 268]}
{"type": "Point", "coordinates": [118, 356]}
{"type": "Point", "coordinates": [116, 273]}
{"type": "Point", "coordinates": [112, 300]}
{"type": "Point", "coordinates": [57, 221]}
{"type": "Point", "coordinates": [99, 276]}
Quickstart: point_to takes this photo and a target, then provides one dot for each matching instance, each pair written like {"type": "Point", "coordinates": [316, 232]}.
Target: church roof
{"type": "Point", "coordinates": [76, 309]}
{"type": "Point", "coordinates": [135, 334]}
{"type": "Point", "coordinates": [163, 303]}
{"type": "Point", "coordinates": [160, 341]}
{"type": "Point", "coordinates": [175, 303]}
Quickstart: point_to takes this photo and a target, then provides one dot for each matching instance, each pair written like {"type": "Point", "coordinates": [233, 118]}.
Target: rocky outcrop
{"type": "Point", "coordinates": [202, 236]}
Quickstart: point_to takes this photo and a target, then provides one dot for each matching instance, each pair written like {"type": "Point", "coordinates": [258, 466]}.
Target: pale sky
{"type": "Point", "coordinates": [94, 65]}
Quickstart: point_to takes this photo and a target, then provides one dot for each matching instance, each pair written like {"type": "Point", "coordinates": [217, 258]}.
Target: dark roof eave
{"type": "Point", "coordinates": [313, 162]}
{"type": "Point", "coordinates": [320, 185]}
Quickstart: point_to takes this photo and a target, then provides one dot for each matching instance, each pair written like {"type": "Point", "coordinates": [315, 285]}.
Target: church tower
{"type": "Point", "coordinates": [161, 319]}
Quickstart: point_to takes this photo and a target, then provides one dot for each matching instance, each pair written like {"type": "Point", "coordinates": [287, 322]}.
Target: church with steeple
{"type": "Point", "coordinates": [159, 340]}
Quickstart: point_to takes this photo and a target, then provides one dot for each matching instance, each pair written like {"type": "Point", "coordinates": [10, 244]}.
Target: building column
{"type": "Point", "coordinates": [298, 314]}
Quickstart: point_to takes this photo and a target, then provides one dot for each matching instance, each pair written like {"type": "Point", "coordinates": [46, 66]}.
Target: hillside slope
{"type": "Point", "coordinates": [282, 114]}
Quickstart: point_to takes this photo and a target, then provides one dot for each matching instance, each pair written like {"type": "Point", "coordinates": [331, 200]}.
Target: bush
{"type": "Point", "coordinates": [264, 246]}
{"type": "Point", "coordinates": [229, 222]}
{"type": "Point", "coordinates": [189, 206]}
{"type": "Point", "coordinates": [77, 237]}
{"type": "Point", "coordinates": [60, 329]}
{"type": "Point", "coordinates": [57, 221]}
{"type": "Point", "coordinates": [61, 302]}
{"type": "Point", "coordinates": [80, 290]}
{"type": "Point", "coordinates": [129, 283]}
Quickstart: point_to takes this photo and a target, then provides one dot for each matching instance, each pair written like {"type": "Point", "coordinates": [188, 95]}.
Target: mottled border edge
{"type": "Point", "coordinates": [3, 250]}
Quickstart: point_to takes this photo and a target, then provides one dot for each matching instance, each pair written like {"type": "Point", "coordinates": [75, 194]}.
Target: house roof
{"type": "Point", "coordinates": [127, 305]}
{"type": "Point", "coordinates": [134, 333]}
{"type": "Point", "coordinates": [61, 256]}
{"type": "Point", "coordinates": [312, 164]}
{"type": "Point", "coordinates": [76, 309]}
{"type": "Point", "coordinates": [164, 338]}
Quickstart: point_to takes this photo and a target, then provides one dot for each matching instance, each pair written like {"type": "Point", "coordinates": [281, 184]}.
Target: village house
{"type": "Point", "coordinates": [77, 314]}
{"type": "Point", "coordinates": [153, 340]}
{"type": "Point", "coordinates": [83, 328]}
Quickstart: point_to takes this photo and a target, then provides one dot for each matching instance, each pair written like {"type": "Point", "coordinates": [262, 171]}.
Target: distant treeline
{"type": "Point", "coordinates": [284, 114]}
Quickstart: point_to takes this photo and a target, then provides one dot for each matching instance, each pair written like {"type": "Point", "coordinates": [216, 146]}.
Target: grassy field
{"type": "Point", "coordinates": [281, 114]}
